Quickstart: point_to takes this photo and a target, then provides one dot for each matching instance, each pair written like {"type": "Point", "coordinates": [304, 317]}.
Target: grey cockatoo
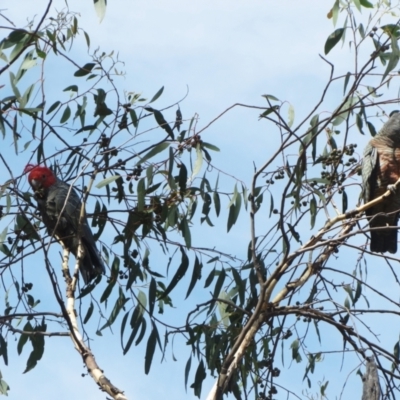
{"type": "Point", "coordinates": [54, 198]}
{"type": "Point", "coordinates": [381, 168]}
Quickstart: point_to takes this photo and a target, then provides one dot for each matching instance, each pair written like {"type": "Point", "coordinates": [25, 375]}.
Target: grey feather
{"type": "Point", "coordinates": [60, 208]}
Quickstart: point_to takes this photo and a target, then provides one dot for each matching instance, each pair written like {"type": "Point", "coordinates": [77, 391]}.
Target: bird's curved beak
{"type": "Point", "coordinates": [35, 184]}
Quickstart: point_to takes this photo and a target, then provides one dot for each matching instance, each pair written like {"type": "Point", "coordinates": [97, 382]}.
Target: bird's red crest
{"type": "Point", "coordinates": [40, 173]}
{"type": "Point", "coordinates": [29, 168]}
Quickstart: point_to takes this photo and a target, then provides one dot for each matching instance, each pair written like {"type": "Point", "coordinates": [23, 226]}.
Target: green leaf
{"type": "Point", "coordinates": [344, 201]}
{"type": "Point", "coordinates": [182, 180]}
{"type": "Point", "coordinates": [136, 322]}
{"type": "Point", "coordinates": [366, 4]}
{"type": "Point", "coordinates": [150, 348]}
{"type": "Point", "coordinates": [25, 225]}
{"type": "Point", "coordinates": [396, 351]}
{"type": "Point", "coordinates": [357, 4]}
{"type": "Point", "coordinates": [393, 61]}
{"type": "Point", "coordinates": [361, 30]}
{"type": "Point", "coordinates": [180, 273]}
{"type": "Point", "coordinates": [66, 115]}
{"type": "Point", "coordinates": [86, 290]}
{"type": "Point", "coordinates": [199, 161]}
{"type": "Point", "coordinates": [100, 7]}
{"type": "Point", "coordinates": [107, 291]}
{"type": "Point", "coordinates": [313, 211]}
{"type": "Point", "coordinates": [359, 123]}
{"type": "Point", "coordinates": [155, 150]}
{"type": "Point", "coordinates": [107, 181]}
{"type": "Point", "coordinates": [184, 227]}
{"type": "Point", "coordinates": [123, 325]}
{"type": "Point", "coordinates": [346, 81]}
{"type": "Point", "coordinates": [134, 118]}
{"type": "Point", "coordinates": [157, 95]}
{"type": "Point", "coordinates": [119, 304]}
{"type": "Point", "coordinates": [15, 36]}
{"type": "Point", "coordinates": [4, 388]}
{"type": "Point", "coordinates": [290, 116]}
{"type": "Point", "coordinates": [295, 234]}
{"type": "Point", "coordinates": [219, 283]}
{"type": "Point", "coordinates": [358, 292]}
{"type": "Point", "coordinates": [3, 349]}
{"type": "Point", "coordinates": [152, 295]}
{"type": "Point", "coordinates": [142, 332]}
{"type": "Point", "coordinates": [24, 338]}
{"type": "Point", "coordinates": [209, 146]}
{"type": "Point", "coordinates": [89, 313]}
{"type": "Point", "coordinates": [222, 309]}
{"type": "Point", "coordinates": [38, 348]}
{"type": "Point", "coordinates": [187, 370]}
{"type": "Point", "coordinates": [295, 351]}
{"type": "Point", "coordinates": [270, 97]}
{"type": "Point", "coordinates": [141, 192]}
{"type": "Point", "coordinates": [333, 39]}
{"type": "Point", "coordinates": [14, 88]}
{"type": "Point", "coordinates": [347, 303]}
{"type": "Point", "coordinates": [198, 379]}
{"type": "Point", "coordinates": [269, 111]}
{"type": "Point", "coordinates": [86, 69]}
{"type": "Point", "coordinates": [142, 299]}
{"type": "Point", "coordinates": [217, 203]}
{"type": "Point", "coordinates": [196, 276]}
{"type": "Point", "coordinates": [371, 128]}
{"type": "Point", "coordinates": [234, 210]}
{"type": "Point", "coordinates": [72, 88]}
{"type": "Point", "coordinates": [210, 276]}
{"type": "Point", "coordinates": [161, 121]}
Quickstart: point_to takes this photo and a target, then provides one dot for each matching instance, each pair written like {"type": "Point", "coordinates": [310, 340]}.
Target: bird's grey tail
{"type": "Point", "coordinates": [92, 264]}
{"type": "Point", "coordinates": [383, 241]}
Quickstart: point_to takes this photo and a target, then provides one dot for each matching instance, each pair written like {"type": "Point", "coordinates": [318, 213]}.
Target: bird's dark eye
{"type": "Point", "coordinates": [43, 176]}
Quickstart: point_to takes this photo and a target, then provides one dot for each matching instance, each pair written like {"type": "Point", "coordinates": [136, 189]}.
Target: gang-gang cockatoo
{"type": "Point", "coordinates": [60, 207]}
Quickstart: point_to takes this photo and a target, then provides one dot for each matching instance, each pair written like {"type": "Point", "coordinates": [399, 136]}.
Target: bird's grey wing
{"type": "Point", "coordinates": [368, 170]}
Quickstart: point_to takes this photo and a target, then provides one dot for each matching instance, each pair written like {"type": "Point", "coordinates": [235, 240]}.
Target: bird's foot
{"type": "Point", "coordinates": [392, 188]}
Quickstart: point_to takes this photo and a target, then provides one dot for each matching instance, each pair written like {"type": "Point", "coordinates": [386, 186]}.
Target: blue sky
{"type": "Point", "coordinates": [225, 52]}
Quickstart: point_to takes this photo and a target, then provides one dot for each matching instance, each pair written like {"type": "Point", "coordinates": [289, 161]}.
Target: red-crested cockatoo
{"type": "Point", "coordinates": [60, 208]}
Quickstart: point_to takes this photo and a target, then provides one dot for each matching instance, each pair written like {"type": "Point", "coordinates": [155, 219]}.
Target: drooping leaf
{"type": "Point", "coordinates": [26, 226]}
{"type": "Point", "coordinates": [219, 283]}
{"type": "Point", "coordinates": [196, 276]}
{"type": "Point", "coordinates": [187, 370]}
{"type": "Point", "coordinates": [290, 116]}
{"type": "Point", "coordinates": [184, 227]}
{"type": "Point", "coordinates": [107, 181]}
{"type": "Point", "coordinates": [155, 150]}
{"type": "Point", "coordinates": [72, 88]}
{"type": "Point", "coordinates": [53, 107]}
{"type": "Point", "coordinates": [180, 273]}
{"type": "Point", "coordinates": [161, 121]}
{"type": "Point", "coordinates": [198, 379]}
{"type": "Point", "coordinates": [333, 39]}
{"type": "Point", "coordinates": [157, 95]}
{"type": "Point", "coordinates": [150, 348]}
{"type": "Point", "coordinates": [118, 306]}
{"type": "Point", "coordinates": [199, 161]}
{"type": "Point", "coordinates": [86, 69]}
{"type": "Point", "coordinates": [152, 295]}
{"type": "Point", "coordinates": [89, 313]}
{"type": "Point", "coordinates": [66, 115]}
{"type": "Point", "coordinates": [270, 97]}
{"type": "Point", "coordinates": [100, 7]}
{"type": "Point", "coordinates": [366, 4]}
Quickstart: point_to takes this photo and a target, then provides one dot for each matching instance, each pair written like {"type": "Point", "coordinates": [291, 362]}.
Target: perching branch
{"type": "Point", "coordinates": [264, 306]}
